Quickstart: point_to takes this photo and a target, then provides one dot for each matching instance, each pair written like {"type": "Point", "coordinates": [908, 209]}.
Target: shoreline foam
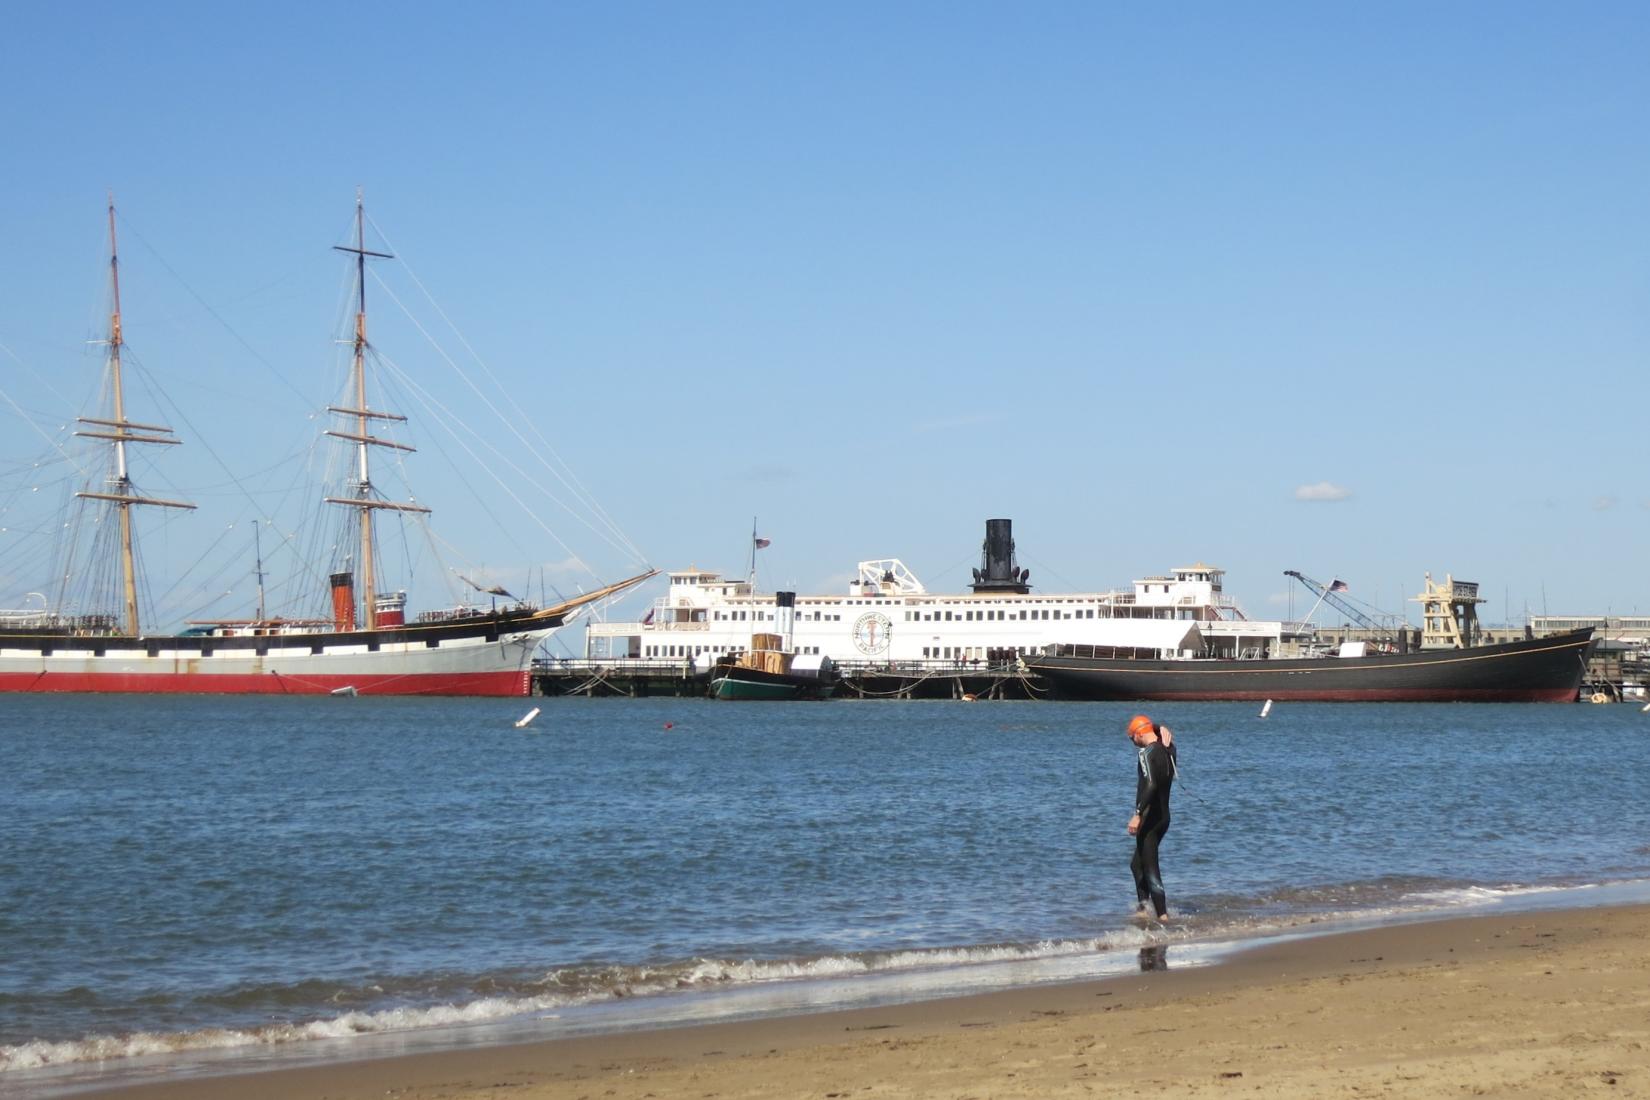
{"type": "Point", "coordinates": [756, 1005]}
{"type": "Point", "coordinates": [1543, 1001]}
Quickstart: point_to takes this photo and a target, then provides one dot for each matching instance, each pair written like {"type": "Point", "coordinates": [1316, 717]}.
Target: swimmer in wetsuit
{"type": "Point", "coordinates": [1155, 771]}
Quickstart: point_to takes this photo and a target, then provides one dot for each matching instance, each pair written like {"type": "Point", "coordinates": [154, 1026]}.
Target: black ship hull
{"type": "Point", "coordinates": [1541, 670]}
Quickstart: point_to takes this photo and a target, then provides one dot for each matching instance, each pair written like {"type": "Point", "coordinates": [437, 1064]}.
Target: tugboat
{"type": "Point", "coordinates": [770, 668]}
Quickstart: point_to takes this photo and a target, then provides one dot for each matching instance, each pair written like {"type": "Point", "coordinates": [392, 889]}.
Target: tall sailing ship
{"type": "Point", "coordinates": [362, 644]}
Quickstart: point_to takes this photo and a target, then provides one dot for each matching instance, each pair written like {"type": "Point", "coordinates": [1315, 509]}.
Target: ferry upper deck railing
{"type": "Point", "coordinates": [617, 630]}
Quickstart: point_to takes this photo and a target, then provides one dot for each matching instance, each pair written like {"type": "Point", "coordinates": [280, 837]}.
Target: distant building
{"type": "Point", "coordinates": [1623, 628]}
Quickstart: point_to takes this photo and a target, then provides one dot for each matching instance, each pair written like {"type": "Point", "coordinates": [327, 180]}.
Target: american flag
{"type": "Point", "coordinates": [763, 544]}
{"type": "Point", "coordinates": [1338, 586]}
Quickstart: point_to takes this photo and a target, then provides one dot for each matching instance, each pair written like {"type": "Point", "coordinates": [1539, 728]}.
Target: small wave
{"type": "Point", "coordinates": [471, 1000]}
{"type": "Point", "coordinates": [1480, 895]}
{"type": "Point", "coordinates": [1392, 894]}
{"type": "Point", "coordinates": [582, 984]}
{"type": "Point", "coordinates": [99, 1048]}
{"type": "Point", "coordinates": [558, 989]}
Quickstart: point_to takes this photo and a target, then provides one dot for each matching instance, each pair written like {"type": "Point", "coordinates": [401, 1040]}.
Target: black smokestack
{"type": "Point", "coordinates": [998, 571]}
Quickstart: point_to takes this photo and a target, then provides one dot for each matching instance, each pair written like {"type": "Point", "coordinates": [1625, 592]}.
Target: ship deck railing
{"type": "Point", "coordinates": [681, 664]}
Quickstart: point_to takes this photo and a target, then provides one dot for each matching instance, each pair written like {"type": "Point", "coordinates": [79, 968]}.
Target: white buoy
{"type": "Point", "coordinates": [1645, 709]}
{"type": "Point", "coordinates": [1266, 709]}
{"type": "Point", "coordinates": [527, 718]}
{"type": "Point", "coordinates": [347, 689]}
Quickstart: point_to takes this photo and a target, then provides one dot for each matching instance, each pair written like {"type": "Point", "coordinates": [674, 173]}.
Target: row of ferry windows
{"type": "Point", "coordinates": [944, 653]}
{"type": "Point", "coordinates": [965, 652]}
{"type": "Point", "coordinates": [903, 602]}
{"type": "Point", "coordinates": [984, 616]}
{"type": "Point", "coordinates": [713, 650]}
{"type": "Point", "coordinates": [767, 616]}
{"type": "Point", "coordinates": [998, 616]}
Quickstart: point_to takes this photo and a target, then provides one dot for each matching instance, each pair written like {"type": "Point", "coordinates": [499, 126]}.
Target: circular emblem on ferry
{"type": "Point", "coordinates": [871, 632]}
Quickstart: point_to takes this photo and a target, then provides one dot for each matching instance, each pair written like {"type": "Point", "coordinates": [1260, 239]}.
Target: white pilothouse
{"type": "Point", "coordinates": [888, 617]}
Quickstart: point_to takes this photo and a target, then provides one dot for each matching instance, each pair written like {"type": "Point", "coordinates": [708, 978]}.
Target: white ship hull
{"type": "Point", "coordinates": [472, 661]}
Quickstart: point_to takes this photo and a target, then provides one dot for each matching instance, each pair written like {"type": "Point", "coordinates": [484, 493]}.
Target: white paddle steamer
{"type": "Point", "coordinates": [888, 617]}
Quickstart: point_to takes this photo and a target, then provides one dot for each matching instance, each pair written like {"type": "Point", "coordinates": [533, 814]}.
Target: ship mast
{"type": "Point", "coordinates": [363, 413]}
{"type": "Point", "coordinates": [258, 549]}
{"type": "Point", "coordinates": [124, 432]}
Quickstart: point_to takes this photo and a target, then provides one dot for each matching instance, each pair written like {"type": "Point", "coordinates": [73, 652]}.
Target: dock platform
{"type": "Point", "coordinates": [639, 678]}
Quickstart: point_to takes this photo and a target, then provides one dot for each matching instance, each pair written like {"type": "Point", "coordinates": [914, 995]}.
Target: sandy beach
{"type": "Point", "coordinates": [1537, 1004]}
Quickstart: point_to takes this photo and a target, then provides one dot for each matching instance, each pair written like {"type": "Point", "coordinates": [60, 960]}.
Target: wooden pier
{"type": "Point", "coordinates": [1613, 675]}
{"type": "Point", "coordinates": [637, 679]}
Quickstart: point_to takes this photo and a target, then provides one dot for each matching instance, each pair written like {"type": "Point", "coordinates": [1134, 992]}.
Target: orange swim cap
{"type": "Point", "coordinates": [1140, 724]}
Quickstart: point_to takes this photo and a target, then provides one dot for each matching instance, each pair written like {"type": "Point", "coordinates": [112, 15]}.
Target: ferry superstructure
{"type": "Point", "coordinates": [888, 616]}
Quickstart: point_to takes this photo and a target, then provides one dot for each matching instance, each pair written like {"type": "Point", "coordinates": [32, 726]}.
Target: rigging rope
{"type": "Point", "coordinates": [127, 225]}
{"type": "Point", "coordinates": [614, 536]}
{"type": "Point", "coordinates": [577, 487]}
{"type": "Point", "coordinates": [506, 486]}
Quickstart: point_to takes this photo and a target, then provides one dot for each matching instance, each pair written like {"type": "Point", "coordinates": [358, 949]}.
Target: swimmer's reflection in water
{"type": "Point", "coordinates": [1155, 957]}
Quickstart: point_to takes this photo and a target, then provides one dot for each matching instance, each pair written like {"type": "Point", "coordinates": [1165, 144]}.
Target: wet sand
{"type": "Point", "coordinates": [1531, 1004]}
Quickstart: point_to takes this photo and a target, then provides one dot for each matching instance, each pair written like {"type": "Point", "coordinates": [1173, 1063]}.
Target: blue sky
{"type": "Point", "coordinates": [1359, 290]}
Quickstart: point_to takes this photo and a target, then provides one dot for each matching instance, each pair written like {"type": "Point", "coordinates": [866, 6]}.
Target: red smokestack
{"type": "Point", "coordinates": [343, 600]}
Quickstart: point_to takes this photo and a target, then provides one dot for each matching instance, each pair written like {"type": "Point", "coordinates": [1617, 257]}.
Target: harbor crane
{"type": "Point", "coordinates": [1334, 594]}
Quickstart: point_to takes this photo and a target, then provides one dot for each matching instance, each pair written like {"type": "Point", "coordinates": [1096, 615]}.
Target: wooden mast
{"type": "Point", "coordinates": [128, 560]}
{"type": "Point", "coordinates": [363, 414]}
{"type": "Point", "coordinates": [124, 496]}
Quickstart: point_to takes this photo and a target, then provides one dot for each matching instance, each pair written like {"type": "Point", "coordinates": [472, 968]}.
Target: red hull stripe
{"type": "Point", "coordinates": [269, 683]}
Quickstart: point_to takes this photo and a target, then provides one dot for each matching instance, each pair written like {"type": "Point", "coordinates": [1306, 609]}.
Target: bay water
{"type": "Point", "coordinates": [193, 883]}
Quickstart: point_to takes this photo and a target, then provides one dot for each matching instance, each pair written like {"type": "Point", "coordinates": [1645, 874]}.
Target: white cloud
{"type": "Point", "coordinates": [1323, 490]}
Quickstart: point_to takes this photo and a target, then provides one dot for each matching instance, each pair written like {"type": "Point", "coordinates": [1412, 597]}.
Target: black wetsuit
{"type": "Point", "coordinates": [1156, 771]}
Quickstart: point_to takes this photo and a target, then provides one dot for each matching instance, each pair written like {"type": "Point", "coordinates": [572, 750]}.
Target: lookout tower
{"type": "Point", "coordinates": [1449, 614]}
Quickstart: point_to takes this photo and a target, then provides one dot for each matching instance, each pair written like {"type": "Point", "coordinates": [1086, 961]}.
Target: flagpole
{"type": "Point", "coordinates": [752, 579]}
{"type": "Point", "coordinates": [1322, 594]}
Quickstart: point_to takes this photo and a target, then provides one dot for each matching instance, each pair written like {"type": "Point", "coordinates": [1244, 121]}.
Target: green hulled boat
{"type": "Point", "coordinates": [769, 669]}
{"type": "Point", "coordinates": [732, 680]}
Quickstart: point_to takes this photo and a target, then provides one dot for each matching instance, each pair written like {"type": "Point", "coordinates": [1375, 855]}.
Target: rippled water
{"type": "Point", "coordinates": [186, 873]}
